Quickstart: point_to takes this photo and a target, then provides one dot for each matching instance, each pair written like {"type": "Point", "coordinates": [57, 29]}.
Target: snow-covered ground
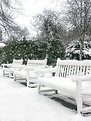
{"type": "Point", "coordinates": [19, 103]}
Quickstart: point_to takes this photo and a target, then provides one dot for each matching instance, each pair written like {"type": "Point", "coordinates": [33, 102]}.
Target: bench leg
{"type": "Point", "coordinates": [27, 82]}
{"type": "Point", "coordinates": [14, 77]}
{"type": "Point", "coordinates": [39, 86]}
{"type": "Point", "coordinates": [30, 82]}
{"type": "Point", "coordinates": [48, 90]}
{"type": "Point", "coordinates": [11, 75]}
{"type": "Point", "coordinates": [56, 91]}
{"type": "Point", "coordinates": [79, 105]}
{"type": "Point", "coordinates": [79, 98]}
{"type": "Point", "coordinates": [3, 72]}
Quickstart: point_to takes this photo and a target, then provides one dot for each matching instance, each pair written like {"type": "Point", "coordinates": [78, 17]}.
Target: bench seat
{"type": "Point", "coordinates": [24, 74]}
{"type": "Point", "coordinates": [65, 85]}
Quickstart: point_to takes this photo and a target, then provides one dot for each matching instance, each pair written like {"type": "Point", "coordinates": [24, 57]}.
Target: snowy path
{"type": "Point", "coordinates": [19, 103]}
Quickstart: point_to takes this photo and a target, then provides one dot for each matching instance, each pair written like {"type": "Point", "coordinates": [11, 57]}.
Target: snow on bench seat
{"type": "Point", "coordinates": [65, 85]}
{"type": "Point", "coordinates": [24, 75]}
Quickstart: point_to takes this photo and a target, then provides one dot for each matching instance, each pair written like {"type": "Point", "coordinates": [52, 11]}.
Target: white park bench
{"type": "Point", "coordinates": [72, 78]}
{"type": "Point", "coordinates": [28, 71]}
{"type": "Point", "coordinates": [8, 69]}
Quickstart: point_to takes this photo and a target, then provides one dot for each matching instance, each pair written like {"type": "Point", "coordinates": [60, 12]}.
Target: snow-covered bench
{"type": "Point", "coordinates": [8, 69]}
{"type": "Point", "coordinates": [72, 78]}
{"type": "Point", "coordinates": [28, 71]}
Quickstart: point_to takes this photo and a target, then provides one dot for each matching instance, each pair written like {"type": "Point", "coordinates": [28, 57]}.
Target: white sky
{"type": "Point", "coordinates": [33, 7]}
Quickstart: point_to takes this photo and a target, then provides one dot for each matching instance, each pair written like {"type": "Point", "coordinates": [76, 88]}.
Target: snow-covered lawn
{"type": "Point", "coordinates": [19, 103]}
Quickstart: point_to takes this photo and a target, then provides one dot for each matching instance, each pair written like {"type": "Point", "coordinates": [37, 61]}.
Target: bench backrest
{"type": "Point", "coordinates": [68, 68]}
{"type": "Point", "coordinates": [37, 63]}
{"type": "Point", "coordinates": [19, 62]}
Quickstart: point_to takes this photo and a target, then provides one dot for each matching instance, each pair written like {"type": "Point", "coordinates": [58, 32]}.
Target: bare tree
{"type": "Point", "coordinates": [79, 15]}
{"type": "Point", "coordinates": [49, 26]}
{"type": "Point", "coordinates": [20, 35]}
{"type": "Point", "coordinates": [6, 12]}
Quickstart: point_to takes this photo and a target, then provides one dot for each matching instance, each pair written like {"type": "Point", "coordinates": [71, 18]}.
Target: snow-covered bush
{"type": "Point", "coordinates": [73, 50]}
